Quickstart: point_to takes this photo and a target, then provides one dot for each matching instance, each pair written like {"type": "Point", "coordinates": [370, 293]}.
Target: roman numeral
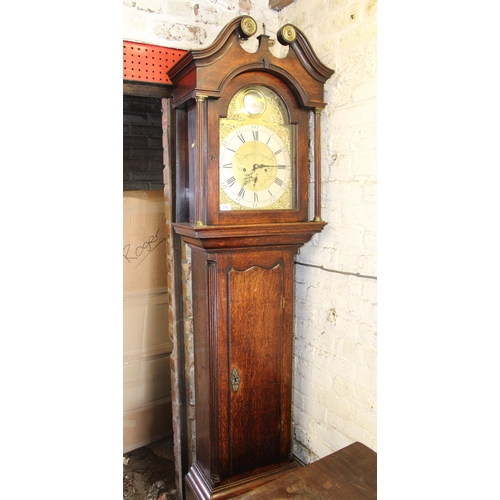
{"type": "Point", "coordinates": [255, 134]}
{"type": "Point", "coordinates": [255, 198]}
{"type": "Point", "coordinates": [241, 194]}
{"type": "Point", "coordinates": [277, 152]}
{"type": "Point", "coordinates": [241, 138]}
{"type": "Point", "coordinates": [231, 180]}
{"type": "Point", "coordinates": [278, 181]}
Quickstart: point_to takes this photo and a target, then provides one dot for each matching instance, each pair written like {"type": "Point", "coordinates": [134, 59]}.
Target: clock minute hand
{"type": "Point", "coordinates": [256, 166]}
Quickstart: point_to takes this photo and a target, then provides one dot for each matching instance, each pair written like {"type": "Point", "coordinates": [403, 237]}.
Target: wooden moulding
{"type": "Point", "coordinates": [199, 485]}
{"type": "Point", "coordinates": [301, 67]}
{"type": "Point", "coordinates": [247, 237]}
{"type": "Point", "coordinates": [147, 89]}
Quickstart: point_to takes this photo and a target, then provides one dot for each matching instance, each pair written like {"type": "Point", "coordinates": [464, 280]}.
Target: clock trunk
{"type": "Point", "coordinates": [243, 347]}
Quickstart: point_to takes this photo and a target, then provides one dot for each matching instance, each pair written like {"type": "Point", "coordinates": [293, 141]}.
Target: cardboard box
{"type": "Point", "coordinates": [144, 262]}
{"type": "Point", "coordinates": [146, 425]}
{"type": "Point", "coordinates": [146, 381]}
{"type": "Point", "coordinates": [147, 404]}
{"type": "Point", "coordinates": [145, 322]}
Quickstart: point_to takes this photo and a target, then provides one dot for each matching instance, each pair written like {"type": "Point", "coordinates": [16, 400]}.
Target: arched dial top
{"type": "Point", "coordinates": [256, 166]}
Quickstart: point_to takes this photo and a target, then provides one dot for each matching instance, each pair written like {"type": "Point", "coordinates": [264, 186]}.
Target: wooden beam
{"type": "Point", "coordinates": [279, 4]}
{"type": "Point", "coordinates": [147, 89]}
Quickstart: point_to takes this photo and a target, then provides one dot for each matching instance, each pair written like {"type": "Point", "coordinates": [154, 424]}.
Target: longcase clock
{"type": "Point", "coordinates": [242, 205]}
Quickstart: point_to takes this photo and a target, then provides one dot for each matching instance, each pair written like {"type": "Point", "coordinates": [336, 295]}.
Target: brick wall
{"type": "Point", "coordinates": [142, 143]}
{"type": "Point", "coordinates": [335, 389]}
{"type": "Point", "coordinates": [189, 25]}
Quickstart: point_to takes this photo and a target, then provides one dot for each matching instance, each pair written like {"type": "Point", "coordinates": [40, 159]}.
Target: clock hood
{"type": "Point", "coordinates": [206, 71]}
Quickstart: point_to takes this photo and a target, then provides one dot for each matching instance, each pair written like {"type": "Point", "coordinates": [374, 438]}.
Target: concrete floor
{"type": "Point", "coordinates": [149, 472]}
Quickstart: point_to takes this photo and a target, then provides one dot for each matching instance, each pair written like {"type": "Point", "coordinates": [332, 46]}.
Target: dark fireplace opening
{"type": "Point", "coordinates": [142, 143]}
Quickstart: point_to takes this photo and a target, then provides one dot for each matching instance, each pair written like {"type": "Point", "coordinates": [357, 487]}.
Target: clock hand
{"type": "Point", "coordinates": [256, 166]}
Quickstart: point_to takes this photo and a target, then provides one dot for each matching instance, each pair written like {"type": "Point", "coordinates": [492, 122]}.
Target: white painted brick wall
{"type": "Point", "coordinates": [190, 25]}
{"type": "Point", "coordinates": [335, 317]}
{"type": "Point", "coordinates": [335, 360]}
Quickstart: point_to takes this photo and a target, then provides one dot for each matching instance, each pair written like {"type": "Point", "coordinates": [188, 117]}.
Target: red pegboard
{"type": "Point", "coordinates": [148, 63]}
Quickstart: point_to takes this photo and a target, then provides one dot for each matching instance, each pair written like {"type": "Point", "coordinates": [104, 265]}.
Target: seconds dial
{"type": "Point", "coordinates": [255, 166]}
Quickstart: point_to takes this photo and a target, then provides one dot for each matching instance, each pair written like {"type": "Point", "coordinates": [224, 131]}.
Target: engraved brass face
{"type": "Point", "coordinates": [256, 161]}
{"type": "Point", "coordinates": [255, 166]}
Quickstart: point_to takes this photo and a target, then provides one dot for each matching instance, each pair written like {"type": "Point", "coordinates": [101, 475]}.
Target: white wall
{"type": "Point", "coordinates": [335, 344]}
{"type": "Point", "coordinates": [189, 24]}
{"type": "Point", "coordinates": [336, 339]}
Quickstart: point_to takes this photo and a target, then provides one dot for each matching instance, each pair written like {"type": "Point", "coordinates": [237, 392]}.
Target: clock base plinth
{"type": "Point", "coordinates": [199, 488]}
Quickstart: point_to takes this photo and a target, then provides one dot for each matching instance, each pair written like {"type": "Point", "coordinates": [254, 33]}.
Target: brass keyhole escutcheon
{"type": "Point", "coordinates": [235, 379]}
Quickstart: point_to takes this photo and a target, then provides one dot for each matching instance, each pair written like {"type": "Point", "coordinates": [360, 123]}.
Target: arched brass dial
{"type": "Point", "coordinates": [256, 158]}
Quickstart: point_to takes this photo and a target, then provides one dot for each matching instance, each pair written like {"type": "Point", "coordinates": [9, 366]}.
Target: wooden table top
{"type": "Point", "coordinates": [348, 474]}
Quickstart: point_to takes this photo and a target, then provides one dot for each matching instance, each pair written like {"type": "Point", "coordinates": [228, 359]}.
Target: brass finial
{"type": "Point", "coordinates": [287, 34]}
{"type": "Point", "coordinates": [248, 26]}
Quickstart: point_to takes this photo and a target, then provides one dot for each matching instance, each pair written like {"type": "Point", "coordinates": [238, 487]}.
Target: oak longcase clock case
{"type": "Point", "coordinates": [242, 205]}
